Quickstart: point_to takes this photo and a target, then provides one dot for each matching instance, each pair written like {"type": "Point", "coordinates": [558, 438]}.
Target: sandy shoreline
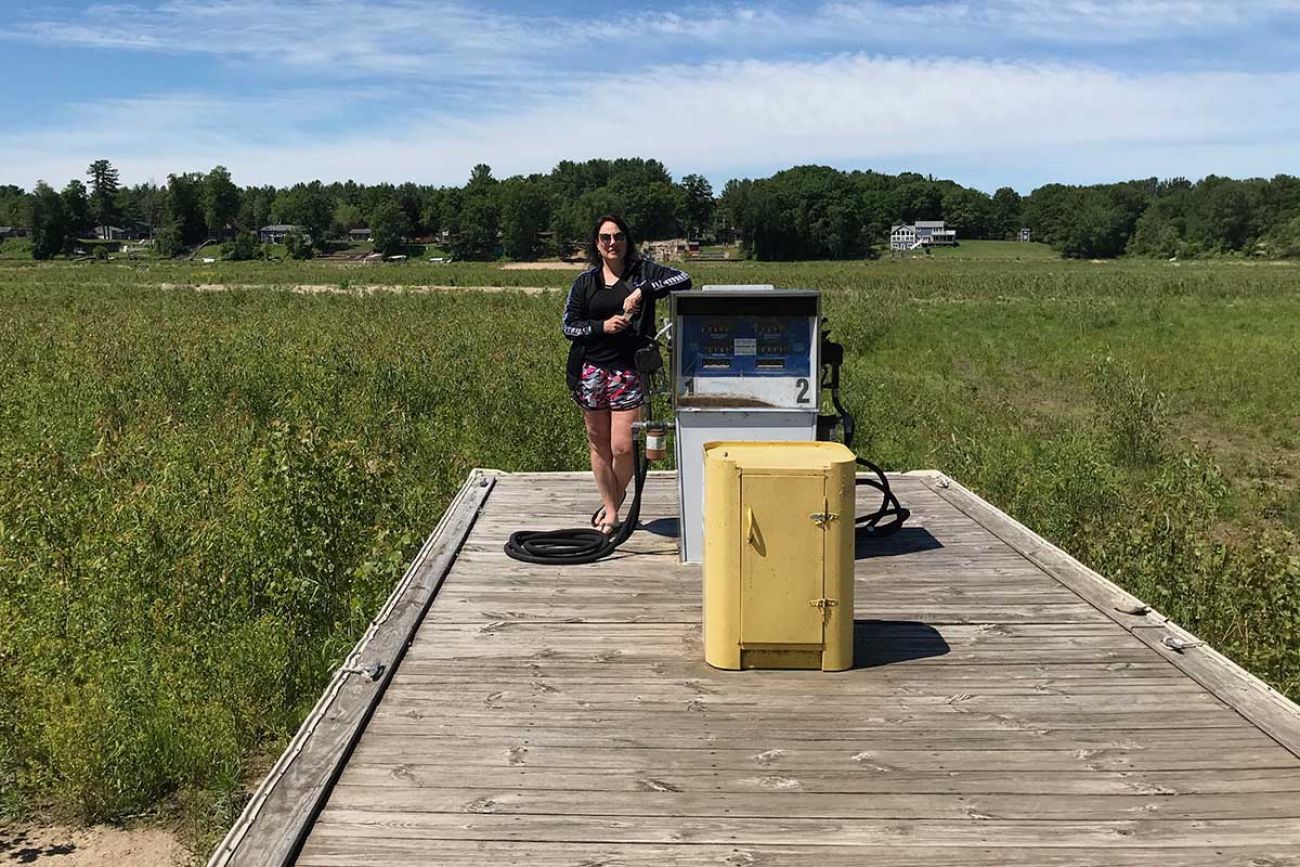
{"type": "Point", "coordinates": [96, 846]}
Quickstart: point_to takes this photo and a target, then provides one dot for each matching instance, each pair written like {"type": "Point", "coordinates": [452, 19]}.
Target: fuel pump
{"type": "Point", "coordinates": [748, 363]}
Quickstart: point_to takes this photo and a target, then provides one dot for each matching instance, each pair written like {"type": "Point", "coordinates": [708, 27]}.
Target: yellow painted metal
{"type": "Point", "coordinates": [778, 555]}
{"type": "Point", "coordinates": [781, 560]}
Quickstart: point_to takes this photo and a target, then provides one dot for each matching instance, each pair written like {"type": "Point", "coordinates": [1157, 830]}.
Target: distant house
{"type": "Point", "coordinates": [358, 235]}
{"type": "Point", "coordinates": [935, 234]}
{"type": "Point", "coordinates": [12, 232]}
{"type": "Point", "coordinates": [275, 234]}
{"type": "Point", "coordinates": [923, 233]}
{"type": "Point", "coordinates": [902, 237]}
{"type": "Point", "coordinates": [1025, 235]}
{"type": "Point", "coordinates": [120, 233]}
{"type": "Point", "coordinates": [132, 232]}
{"type": "Point", "coordinates": [231, 230]}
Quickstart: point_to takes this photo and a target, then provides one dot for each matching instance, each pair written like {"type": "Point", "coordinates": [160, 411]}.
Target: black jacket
{"type": "Point", "coordinates": [653, 279]}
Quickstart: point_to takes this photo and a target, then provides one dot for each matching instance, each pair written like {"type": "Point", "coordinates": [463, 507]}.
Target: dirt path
{"type": "Point", "coordinates": [368, 289]}
{"type": "Point", "coordinates": [97, 846]}
{"type": "Point", "coordinates": [544, 266]}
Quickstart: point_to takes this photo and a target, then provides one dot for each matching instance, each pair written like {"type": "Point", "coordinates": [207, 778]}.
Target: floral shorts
{"type": "Point", "coordinates": [609, 389]}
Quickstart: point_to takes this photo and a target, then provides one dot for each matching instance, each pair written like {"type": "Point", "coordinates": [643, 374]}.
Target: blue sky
{"type": "Point", "coordinates": [1007, 92]}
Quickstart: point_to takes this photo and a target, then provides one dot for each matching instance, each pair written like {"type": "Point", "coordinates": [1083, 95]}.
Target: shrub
{"type": "Point", "coordinates": [1131, 412]}
{"type": "Point", "coordinates": [242, 247]}
{"type": "Point", "coordinates": [169, 242]}
{"type": "Point", "coordinates": [297, 245]}
{"type": "Point", "coordinates": [16, 248]}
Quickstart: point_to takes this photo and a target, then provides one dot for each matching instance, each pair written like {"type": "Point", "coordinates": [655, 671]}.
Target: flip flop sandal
{"type": "Point", "coordinates": [600, 513]}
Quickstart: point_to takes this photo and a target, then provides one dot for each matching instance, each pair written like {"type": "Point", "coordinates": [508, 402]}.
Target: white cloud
{"type": "Point", "coordinates": [963, 26]}
{"type": "Point", "coordinates": [1080, 21]}
{"type": "Point", "coordinates": [1066, 122]}
{"type": "Point", "coordinates": [330, 37]}
{"type": "Point", "coordinates": [464, 40]}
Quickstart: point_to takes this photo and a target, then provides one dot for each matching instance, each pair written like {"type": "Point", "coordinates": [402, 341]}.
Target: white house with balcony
{"type": "Point", "coordinates": [923, 233]}
{"type": "Point", "coordinates": [902, 237]}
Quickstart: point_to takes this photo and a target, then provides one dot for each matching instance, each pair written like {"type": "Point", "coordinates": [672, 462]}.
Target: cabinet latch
{"type": "Point", "coordinates": [824, 603]}
{"type": "Point", "coordinates": [821, 519]}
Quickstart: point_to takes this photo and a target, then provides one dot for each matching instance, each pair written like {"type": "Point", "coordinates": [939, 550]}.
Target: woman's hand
{"type": "Point", "coordinates": [615, 324]}
{"type": "Point", "coordinates": [631, 302]}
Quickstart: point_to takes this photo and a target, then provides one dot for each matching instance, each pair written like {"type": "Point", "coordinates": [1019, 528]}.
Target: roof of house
{"type": "Point", "coordinates": [929, 224]}
{"type": "Point", "coordinates": [282, 227]}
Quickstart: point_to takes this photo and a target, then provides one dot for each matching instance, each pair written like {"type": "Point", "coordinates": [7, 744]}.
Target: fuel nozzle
{"type": "Point", "coordinates": [832, 356]}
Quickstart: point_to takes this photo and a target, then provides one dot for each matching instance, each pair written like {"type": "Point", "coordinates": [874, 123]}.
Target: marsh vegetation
{"type": "Point", "coordinates": [205, 496]}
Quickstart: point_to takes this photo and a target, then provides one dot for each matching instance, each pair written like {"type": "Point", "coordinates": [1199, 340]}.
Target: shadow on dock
{"type": "Point", "coordinates": [666, 527]}
{"type": "Point", "coordinates": [882, 642]}
{"type": "Point", "coordinates": [908, 540]}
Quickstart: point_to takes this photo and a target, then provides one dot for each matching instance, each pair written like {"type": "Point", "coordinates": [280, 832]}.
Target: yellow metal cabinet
{"type": "Point", "coordinates": [778, 555]}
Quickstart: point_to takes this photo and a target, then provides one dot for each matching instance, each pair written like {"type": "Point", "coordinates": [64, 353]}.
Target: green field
{"type": "Point", "coordinates": [205, 495]}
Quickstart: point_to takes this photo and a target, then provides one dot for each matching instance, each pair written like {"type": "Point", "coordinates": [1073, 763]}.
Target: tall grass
{"type": "Point", "coordinates": [204, 499]}
{"type": "Point", "coordinates": [205, 496]}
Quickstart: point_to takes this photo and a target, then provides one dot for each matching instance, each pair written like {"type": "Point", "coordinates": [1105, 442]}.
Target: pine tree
{"type": "Point", "coordinates": [103, 193]}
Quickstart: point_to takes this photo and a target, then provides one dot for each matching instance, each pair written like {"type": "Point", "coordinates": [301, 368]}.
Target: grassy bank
{"type": "Point", "coordinates": [204, 496]}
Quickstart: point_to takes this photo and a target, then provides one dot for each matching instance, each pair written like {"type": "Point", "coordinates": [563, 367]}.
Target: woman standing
{"type": "Point", "coordinates": [609, 308]}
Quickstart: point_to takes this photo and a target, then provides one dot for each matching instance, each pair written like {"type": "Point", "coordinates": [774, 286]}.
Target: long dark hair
{"type": "Point", "coordinates": [593, 249]}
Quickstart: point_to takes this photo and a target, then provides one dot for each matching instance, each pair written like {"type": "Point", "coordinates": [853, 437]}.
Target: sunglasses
{"type": "Point", "coordinates": [607, 238]}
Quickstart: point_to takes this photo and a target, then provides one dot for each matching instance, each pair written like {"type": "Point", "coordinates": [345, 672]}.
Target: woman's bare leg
{"type": "Point", "coordinates": [620, 442]}
{"type": "Point", "coordinates": [602, 459]}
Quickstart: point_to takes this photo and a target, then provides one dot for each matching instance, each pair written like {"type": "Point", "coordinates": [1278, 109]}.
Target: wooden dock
{"type": "Point", "coordinates": [1009, 706]}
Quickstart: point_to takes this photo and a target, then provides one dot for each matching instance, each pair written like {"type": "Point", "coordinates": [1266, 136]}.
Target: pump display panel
{"type": "Point", "coordinates": [746, 350]}
{"type": "Point", "coordinates": [716, 346]}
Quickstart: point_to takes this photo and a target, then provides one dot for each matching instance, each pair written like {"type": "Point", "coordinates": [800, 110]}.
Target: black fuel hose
{"type": "Point", "coordinates": [875, 524]}
{"type": "Point", "coordinates": [580, 545]}
{"type": "Point", "coordinates": [889, 518]}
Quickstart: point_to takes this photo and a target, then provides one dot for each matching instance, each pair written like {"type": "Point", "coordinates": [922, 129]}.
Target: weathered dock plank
{"type": "Point", "coordinates": [1002, 710]}
{"type": "Point", "coordinates": [340, 850]}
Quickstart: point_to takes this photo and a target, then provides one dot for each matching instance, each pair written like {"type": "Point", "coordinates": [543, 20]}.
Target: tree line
{"type": "Point", "coordinates": [522, 217]}
{"type": "Point", "coordinates": [805, 212]}
{"type": "Point", "coordinates": [815, 212]}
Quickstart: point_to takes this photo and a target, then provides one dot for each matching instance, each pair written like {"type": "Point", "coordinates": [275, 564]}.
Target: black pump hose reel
{"type": "Point", "coordinates": [891, 515]}
{"type": "Point", "coordinates": [587, 545]}
{"type": "Point", "coordinates": [580, 545]}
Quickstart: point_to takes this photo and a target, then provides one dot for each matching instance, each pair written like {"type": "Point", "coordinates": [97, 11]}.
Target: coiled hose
{"type": "Point", "coordinates": [871, 524]}
{"type": "Point", "coordinates": [581, 545]}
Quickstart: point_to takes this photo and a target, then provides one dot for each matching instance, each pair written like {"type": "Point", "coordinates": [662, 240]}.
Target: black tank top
{"type": "Point", "coordinates": [611, 351]}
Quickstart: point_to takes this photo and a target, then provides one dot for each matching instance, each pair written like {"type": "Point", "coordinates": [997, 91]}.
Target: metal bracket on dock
{"type": "Point", "coordinates": [369, 672]}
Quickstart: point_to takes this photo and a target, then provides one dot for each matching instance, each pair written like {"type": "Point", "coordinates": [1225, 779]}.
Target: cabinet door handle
{"type": "Point", "coordinates": [749, 525]}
